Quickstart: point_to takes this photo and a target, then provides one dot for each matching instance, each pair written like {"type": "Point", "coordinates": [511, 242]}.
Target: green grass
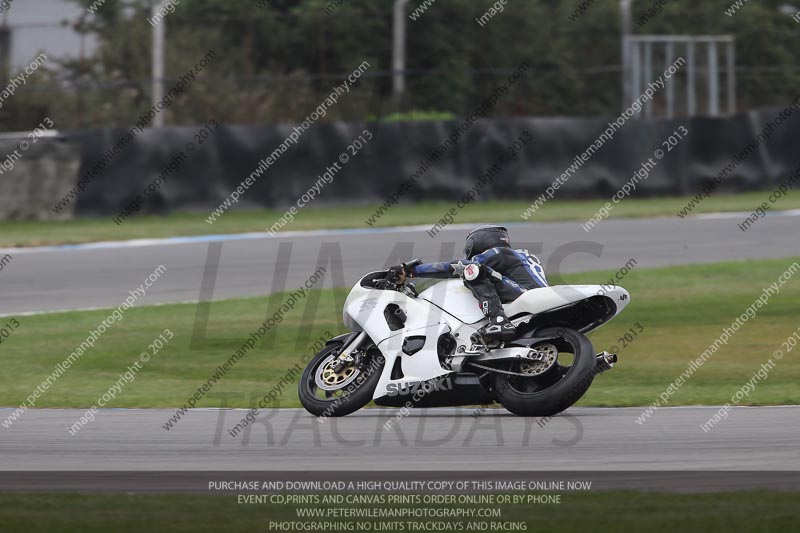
{"type": "Point", "coordinates": [681, 309]}
{"type": "Point", "coordinates": [617, 511]}
{"type": "Point", "coordinates": [31, 233]}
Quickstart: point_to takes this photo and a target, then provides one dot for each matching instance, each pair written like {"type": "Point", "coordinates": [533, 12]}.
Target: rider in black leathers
{"type": "Point", "coordinates": [494, 272]}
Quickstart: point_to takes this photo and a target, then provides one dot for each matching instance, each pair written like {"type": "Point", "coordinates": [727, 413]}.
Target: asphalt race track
{"type": "Point", "coordinates": [444, 439]}
{"type": "Point", "coordinates": [760, 441]}
{"type": "Point", "coordinates": [101, 275]}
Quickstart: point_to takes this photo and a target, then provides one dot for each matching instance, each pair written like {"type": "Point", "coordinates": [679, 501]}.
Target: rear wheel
{"type": "Point", "coordinates": [331, 386]}
{"type": "Point", "coordinates": [562, 374]}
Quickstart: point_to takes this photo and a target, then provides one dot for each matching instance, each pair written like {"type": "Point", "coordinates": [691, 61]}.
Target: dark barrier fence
{"type": "Point", "coordinates": [200, 166]}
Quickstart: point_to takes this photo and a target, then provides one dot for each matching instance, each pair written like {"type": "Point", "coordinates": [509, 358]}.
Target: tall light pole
{"type": "Point", "coordinates": [158, 60]}
{"type": "Point", "coordinates": [626, 19]}
{"type": "Point", "coordinates": [399, 48]}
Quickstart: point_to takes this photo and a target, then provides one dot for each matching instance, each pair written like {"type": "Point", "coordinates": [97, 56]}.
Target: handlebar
{"type": "Point", "coordinates": [385, 282]}
{"type": "Point", "coordinates": [390, 283]}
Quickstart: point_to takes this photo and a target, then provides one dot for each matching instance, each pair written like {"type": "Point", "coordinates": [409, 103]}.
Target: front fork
{"type": "Point", "coordinates": [345, 357]}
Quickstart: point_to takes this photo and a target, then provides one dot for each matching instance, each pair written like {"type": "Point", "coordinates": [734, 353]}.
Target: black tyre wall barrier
{"type": "Point", "coordinates": [209, 169]}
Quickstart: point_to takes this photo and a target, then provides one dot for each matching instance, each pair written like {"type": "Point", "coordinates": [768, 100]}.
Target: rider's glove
{"type": "Point", "coordinates": [399, 273]}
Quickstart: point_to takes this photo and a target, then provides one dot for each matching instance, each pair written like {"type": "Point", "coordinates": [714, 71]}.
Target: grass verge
{"type": "Point", "coordinates": [33, 233]}
{"type": "Point", "coordinates": [680, 311]}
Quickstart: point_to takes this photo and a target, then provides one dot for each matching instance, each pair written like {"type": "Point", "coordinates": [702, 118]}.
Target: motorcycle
{"type": "Point", "coordinates": [411, 349]}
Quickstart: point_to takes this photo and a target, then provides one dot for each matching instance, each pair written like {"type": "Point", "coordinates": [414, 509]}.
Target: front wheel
{"type": "Point", "coordinates": [545, 388]}
{"type": "Point", "coordinates": [331, 386]}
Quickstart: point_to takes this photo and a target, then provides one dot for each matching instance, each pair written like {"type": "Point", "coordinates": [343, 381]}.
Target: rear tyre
{"type": "Point", "coordinates": [558, 388]}
{"type": "Point", "coordinates": [329, 388]}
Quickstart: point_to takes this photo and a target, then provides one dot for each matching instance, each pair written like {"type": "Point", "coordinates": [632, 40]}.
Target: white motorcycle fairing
{"type": "Point", "coordinates": [457, 300]}
{"type": "Point", "coordinates": [408, 330]}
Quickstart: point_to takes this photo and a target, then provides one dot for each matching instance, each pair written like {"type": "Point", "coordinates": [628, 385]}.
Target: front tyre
{"type": "Point", "coordinates": [332, 387]}
{"type": "Point", "coordinates": [570, 371]}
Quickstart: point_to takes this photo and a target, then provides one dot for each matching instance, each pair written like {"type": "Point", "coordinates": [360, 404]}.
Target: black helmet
{"type": "Point", "coordinates": [484, 237]}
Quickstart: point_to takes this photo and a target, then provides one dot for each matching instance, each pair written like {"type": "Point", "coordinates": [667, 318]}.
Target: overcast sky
{"type": "Point", "coordinates": [36, 26]}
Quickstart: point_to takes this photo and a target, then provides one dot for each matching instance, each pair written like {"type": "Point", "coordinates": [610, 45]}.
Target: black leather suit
{"type": "Point", "coordinates": [504, 275]}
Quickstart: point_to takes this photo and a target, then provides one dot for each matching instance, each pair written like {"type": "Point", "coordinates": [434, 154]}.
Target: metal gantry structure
{"type": "Point", "coordinates": [641, 55]}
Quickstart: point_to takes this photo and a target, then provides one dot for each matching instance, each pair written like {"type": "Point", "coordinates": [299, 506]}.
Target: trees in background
{"type": "Point", "coordinates": [277, 59]}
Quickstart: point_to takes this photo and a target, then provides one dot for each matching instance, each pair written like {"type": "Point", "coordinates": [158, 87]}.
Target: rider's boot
{"type": "Point", "coordinates": [499, 329]}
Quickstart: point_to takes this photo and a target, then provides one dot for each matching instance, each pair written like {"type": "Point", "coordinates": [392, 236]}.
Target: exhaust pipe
{"type": "Point", "coordinates": [605, 362]}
